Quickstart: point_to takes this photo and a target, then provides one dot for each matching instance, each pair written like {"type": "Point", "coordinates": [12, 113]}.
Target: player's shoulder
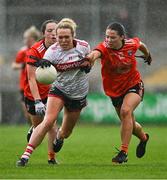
{"type": "Point", "coordinates": [132, 41]}
{"type": "Point", "coordinates": [22, 49]}
{"type": "Point", "coordinates": [102, 48]}
{"type": "Point", "coordinates": [52, 51]}
{"type": "Point", "coordinates": [101, 45]}
{"type": "Point", "coordinates": [39, 46]}
{"type": "Point", "coordinates": [21, 54]}
{"type": "Point", "coordinates": [54, 47]}
{"type": "Point", "coordinates": [80, 42]}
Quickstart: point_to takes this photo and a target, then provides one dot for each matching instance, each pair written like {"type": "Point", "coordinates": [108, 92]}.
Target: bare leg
{"type": "Point", "coordinates": [131, 101]}
{"type": "Point", "coordinates": [36, 120]}
{"type": "Point", "coordinates": [69, 121]}
{"type": "Point", "coordinates": [137, 128]}
{"type": "Point", "coordinates": [54, 106]}
{"type": "Point", "coordinates": [26, 114]}
{"type": "Point", "coordinates": [51, 138]}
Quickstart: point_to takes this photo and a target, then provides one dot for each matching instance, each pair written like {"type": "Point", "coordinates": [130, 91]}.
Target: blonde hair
{"type": "Point", "coordinates": [33, 32]}
{"type": "Point", "coordinates": [67, 23]}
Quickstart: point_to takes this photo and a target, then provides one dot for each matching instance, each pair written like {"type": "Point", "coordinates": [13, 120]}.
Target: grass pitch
{"type": "Point", "coordinates": [86, 154]}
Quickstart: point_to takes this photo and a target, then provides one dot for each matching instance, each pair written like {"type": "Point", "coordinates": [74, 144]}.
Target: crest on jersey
{"type": "Point", "coordinates": [130, 52]}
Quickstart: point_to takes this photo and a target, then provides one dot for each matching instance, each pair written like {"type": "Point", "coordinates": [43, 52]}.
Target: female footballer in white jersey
{"type": "Point", "coordinates": [69, 89]}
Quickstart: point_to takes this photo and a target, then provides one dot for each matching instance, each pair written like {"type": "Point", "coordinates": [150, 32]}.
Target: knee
{"type": "Point", "coordinates": [125, 112]}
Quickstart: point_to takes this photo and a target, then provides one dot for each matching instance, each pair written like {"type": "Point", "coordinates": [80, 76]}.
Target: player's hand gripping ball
{"type": "Point", "coordinates": [46, 75]}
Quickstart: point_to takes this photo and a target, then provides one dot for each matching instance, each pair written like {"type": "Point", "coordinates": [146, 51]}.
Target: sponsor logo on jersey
{"type": "Point", "coordinates": [68, 66]}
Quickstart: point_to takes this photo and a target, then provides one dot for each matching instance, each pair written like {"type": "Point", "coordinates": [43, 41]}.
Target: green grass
{"type": "Point", "coordinates": [86, 154]}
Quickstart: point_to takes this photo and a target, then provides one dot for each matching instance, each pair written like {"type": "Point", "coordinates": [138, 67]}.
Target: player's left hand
{"type": "Point", "coordinates": [40, 108]}
{"type": "Point", "coordinates": [85, 65]}
{"type": "Point", "coordinates": [40, 62]}
{"type": "Point", "coordinates": [148, 59]}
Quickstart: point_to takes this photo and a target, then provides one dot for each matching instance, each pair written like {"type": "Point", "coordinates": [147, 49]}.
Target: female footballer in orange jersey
{"type": "Point", "coordinates": [122, 83]}
{"type": "Point", "coordinates": [35, 93]}
{"type": "Point", "coordinates": [30, 36]}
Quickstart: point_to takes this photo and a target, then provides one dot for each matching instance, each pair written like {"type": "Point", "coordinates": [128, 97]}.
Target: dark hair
{"type": "Point", "coordinates": [117, 27]}
{"type": "Point", "coordinates": [43, 26]}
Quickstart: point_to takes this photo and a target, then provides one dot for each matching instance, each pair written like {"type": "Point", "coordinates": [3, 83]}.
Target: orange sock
{"type": "Point", "coordinates": [51, 155]}
{"type": "Point", "coordinates": [124, 147]}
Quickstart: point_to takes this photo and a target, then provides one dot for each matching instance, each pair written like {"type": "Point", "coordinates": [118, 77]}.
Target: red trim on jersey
{"type": "Point", "coordinates": [119, 71]}
{"type": "Point", "coordinates": [82, 43]}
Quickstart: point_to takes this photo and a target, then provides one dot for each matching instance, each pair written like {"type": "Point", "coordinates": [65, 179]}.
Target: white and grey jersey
{"type": "Point", "coordinates": [70, 80]}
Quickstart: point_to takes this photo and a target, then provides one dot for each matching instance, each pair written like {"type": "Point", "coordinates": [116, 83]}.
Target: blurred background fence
{"type": "Point", "coordinates": [143, 18]}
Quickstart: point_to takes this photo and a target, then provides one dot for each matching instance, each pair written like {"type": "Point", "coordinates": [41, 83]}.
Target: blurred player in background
{"type": "Point", "coordinates": [30, 36]}
{"type": "Point", "coordinates": [69, 89]}
{"type": "Point", "coordinates": [35, 93]}
{"type": "Point", "coordinates": [122, 83]}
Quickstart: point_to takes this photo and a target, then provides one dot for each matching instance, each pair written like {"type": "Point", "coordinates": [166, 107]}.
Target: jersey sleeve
{"type": "Point", "coordinates": [86, 50]}
{"type": "Point", "coordinates": [20, 57]}
{"type": "Point", "coordinates": [83, 47]}
{"type": "Point", "coordinates": [136, 42]}
{"type": "Point", "coordinates": [31, 52]}
{"type": "Point", "coordinates": [100, 47]}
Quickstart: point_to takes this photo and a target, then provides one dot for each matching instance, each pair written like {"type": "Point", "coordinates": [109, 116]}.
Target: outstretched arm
{"type": "Point", "coordinates": [89, 60]}
{"type": "Point", "coordinates": [93, 56]}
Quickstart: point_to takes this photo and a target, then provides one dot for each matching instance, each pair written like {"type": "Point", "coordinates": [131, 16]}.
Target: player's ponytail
{"type": "Point", "coordinates": [67, 23]}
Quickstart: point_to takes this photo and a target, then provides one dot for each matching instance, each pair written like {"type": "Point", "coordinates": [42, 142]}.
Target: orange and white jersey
{"type": "Point", "coordinates": [119, 71]}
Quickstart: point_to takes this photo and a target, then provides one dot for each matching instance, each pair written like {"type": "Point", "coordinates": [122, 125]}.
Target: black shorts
{"type": "Point", "coordinates": [70, 104]}
{"type": "Point", "coordinates": [30, 105]}
{"type": "Point", "coordinates": [22, 95]}
{"type": "Point", "coordinates": [138, 89]}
